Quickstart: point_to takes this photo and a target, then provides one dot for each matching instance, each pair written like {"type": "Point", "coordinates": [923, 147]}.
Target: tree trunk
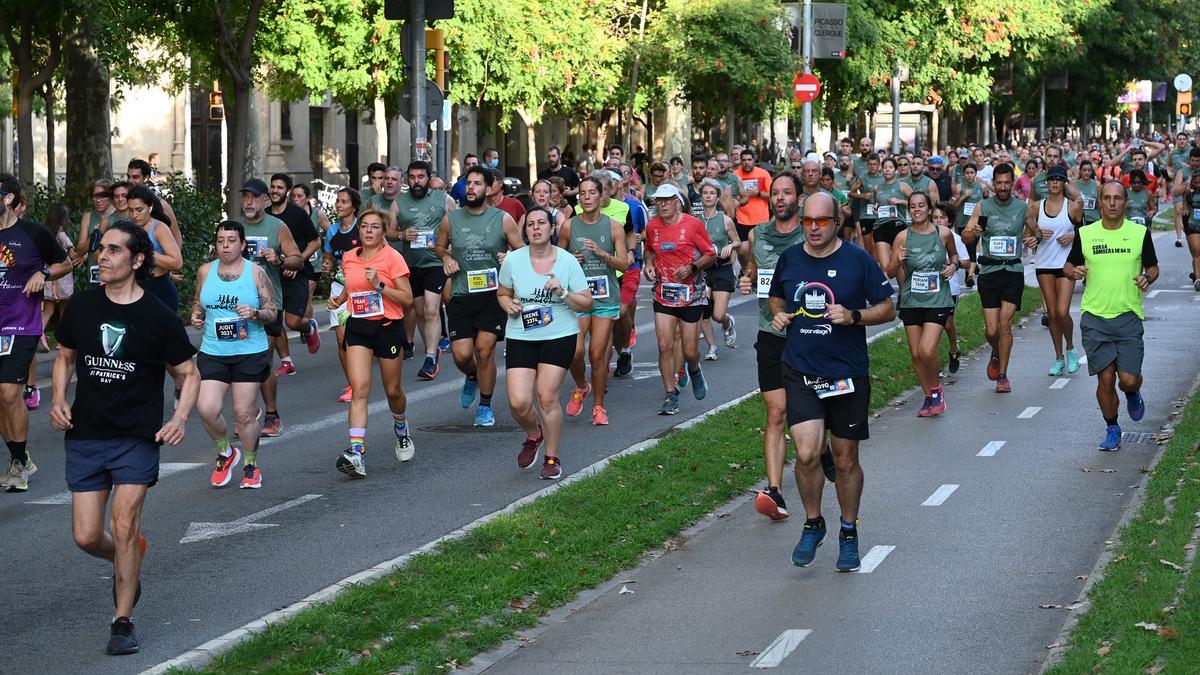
{"type": "Point", "coordinates": [48, 104]}
{"type": "Point", "coordinates": [243, 161]}
{"type": "Point", "coordinates": [25, 134]}
{"type": "Point", "coordinates": [730, 123]}
{"type": "Point", "coordinates": [89, 135]}
{"type": "Point", "coordinates": [530, 144]}
{"type": "Point", "coordinates": [381, 132]}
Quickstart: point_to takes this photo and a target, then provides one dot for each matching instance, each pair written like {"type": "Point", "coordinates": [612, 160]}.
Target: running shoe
{"type": "Point", "coordinates": [1178, 244]}
{"type": "Point", "coordinates": [484, 416]}
{"type": "Point", "coordinates": [699, 386]}
{"type": "Point", "coordinates": [1135, 405]}
{"type": "Point", "coordinates": [1196, 285]}
{"type": "Point", "coordinates": [993, 367]}
{"type": "Point", "coordinates": [847, 551]}
{"type": "Point", "coordinates": [1112, 438]}
{"type": "Point", "coordinates": [955, 361]}
{"type": "Point", "coordinates": [938, 402]}
{"type": "Point", "coordinates": [599, 416]}
{"type": "Point", "coordinates": [224, 468]}
{"type": "Point", "coordinates": [681, 378]}
{"type": "Point", "coordinates": [670, 404]}
{"type": "Point", "coordinates": [285, 368]}
{"type": "Point", "coordinates": [828, 467]}
{"type": "Point", "coordinates": [624, 364]}
{"type": "Point", "coordinates": [575, 405]}
{"type": "Point", "coordinates": [1072, 361]}
{"type": "Point", "coordinates": [405, 448]}
{"type": "Point", "coordinates": [430, 368]}
{"type": "Point", "coordinates": [408, 353]}
{"type": "Point", "coordinates": [444, 345]}
{"type": "Point", "coordinates": [731, 334]}
{"type": "Point", "coordinates": [122, 638]}
{"type": "Point", "coordinates": [711, 354]}
{"type": "Point", "coordinates": [314, 337]}
{"type": "Point", "coordinates": [1002, 384]}
{"type": "Point", "coordinates": [347, 394]}
{"type": "Point", "coordinates": [1045, 319]}
{"type": "Point", "coordinates": [467, 397]}
{"type": "Point", "coordinates": [272, 426]}
{"type": "Point", "coordinates": [810, 541]}
{"type": "Point", "coordinates": [924, 411]}
{"type": "Point", "coordinates": [527, 457]}
{"type": "Point", "coordinates": [32, 397]}
{"type": "Point", "coordinates": [351, 463]}
{"type": "Point", "coordinates": [770, 503]}
{"type": "Point", "coordinates": [551, 469]}
{"type": "Point", "coordinates": [1057, 368]}
{"type": "Point", "coordinates": [251, 477]}
{"type": "Point", "coordinates": [17, 479]}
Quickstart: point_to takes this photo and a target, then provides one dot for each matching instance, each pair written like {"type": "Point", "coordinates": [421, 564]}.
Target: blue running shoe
{"type": "Point", "coordinates": [681, 378]}
{"type": "Point", "coordinates": [670, 404]}
{"type": "Point", "coordinates": [484, 417]}
{"type": "Point", "coordinates": [847, 551]}
{"type": "Point", "coordinates": [699, 386]}
{"type": "Point", "coordinates": [1136, 406]}
{"type": "Point", "coordinates": [444, 344]}
{"type": "Point", "coordinates": [1072, 361]}
{"type": "Point", "coordinates": [810, 541]}
{"type": "Point", "coordinates": [467, 398]}
{"type": "Point", "coordinates": [1112, 439]}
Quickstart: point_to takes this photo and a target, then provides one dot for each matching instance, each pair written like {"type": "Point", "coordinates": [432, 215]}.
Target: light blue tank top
{"type": "Point", "coordinates": [224, 333]}
{"type": "Point", "coordinates": [153, 239]}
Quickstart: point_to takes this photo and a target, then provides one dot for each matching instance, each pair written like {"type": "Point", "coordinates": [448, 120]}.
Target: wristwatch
{"type": "Point", "coordinates": [382, 286]}
{"type": "Point", "coordinates": [46, 271]}
{"type": "Point", "coordinates": [855, 317]}
{"type": "Point", "coordinates": [694, 268]}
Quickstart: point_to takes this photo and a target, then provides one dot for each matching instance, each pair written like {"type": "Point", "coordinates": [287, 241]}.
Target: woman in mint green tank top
{"type": "Point", "coordinates": [719, 276]}
{"type": "Point", "coordinates": [891, 208]}
{"type": "Point", "coordinates": [925, 259]}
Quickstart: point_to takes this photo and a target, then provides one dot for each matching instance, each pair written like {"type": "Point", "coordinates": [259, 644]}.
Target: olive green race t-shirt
{"type": "Point", "coordinates": [1003, 235]}
{"type": "Point", "coordinates": [424, 216]}
{"type": "Point", "coordinates": [769, 244]}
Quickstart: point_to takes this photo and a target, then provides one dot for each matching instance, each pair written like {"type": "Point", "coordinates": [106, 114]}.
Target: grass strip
{"type": "Point", "coordinates": [471, 594]}
{"type": "Point", "coordinates": [1138, 587]}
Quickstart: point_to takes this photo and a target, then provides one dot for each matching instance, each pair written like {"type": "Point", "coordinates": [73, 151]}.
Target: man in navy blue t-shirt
{"type": "Point", "coordinates": [825, 293]}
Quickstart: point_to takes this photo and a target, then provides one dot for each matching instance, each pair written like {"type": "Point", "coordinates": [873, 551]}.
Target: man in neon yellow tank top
{"type": "Point", "coordinates": [1116, 257]}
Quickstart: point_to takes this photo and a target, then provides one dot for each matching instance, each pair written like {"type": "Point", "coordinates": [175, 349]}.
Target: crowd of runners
{"type": "Point", "coordinates": [549, 284]}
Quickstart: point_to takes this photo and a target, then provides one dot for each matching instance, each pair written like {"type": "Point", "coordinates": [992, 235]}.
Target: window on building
{"type": "Point", "coordinates": [316, 141]}
{"type": "Point", "coordinates": [285, 121]}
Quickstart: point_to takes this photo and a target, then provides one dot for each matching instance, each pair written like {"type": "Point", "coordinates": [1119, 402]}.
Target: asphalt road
{"type": "Point", "coordinates": [57, 607]}
{"type": "Point", "coordinates": [973, 520]}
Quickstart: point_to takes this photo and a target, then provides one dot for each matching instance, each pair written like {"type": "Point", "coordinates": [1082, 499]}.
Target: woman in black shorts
{"type": "Point", "coordinates": [541, 288]}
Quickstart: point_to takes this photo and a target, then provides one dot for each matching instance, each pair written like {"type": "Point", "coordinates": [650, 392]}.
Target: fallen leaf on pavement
{"type": "Point", "coordinates": [1188, 547]}
{"type": "Point", "coordinates": [518, 603]}
{"type": "Point", "coordinates": [1055, 645]}
{"type": "Point", "coordinates": [624, 590]}
{"type": "Point", "coordinates": [747, 652]}
{"type": "Point", "coordinates": [1050, 606]}
{"type": "Point", "coordinates": [1081, 577]}
{"type": "Point", "coordinates": [1168, 609]}
{"type": "Point", "coordinates": [1120, 558]}
{"type": "Point", "coordinates": [1170, 564]}
{"type": "Point", "coordinates": [1168, 633]}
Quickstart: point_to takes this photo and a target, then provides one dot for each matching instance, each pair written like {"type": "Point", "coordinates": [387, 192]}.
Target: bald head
{"type": "Point", "coordinates": [820, 205]}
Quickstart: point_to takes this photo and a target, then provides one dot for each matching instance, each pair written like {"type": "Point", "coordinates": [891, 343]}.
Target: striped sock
{"type": "Point", "coordinates": [399, 425]}
{"type": "Point", "coordinates": [358, 439]}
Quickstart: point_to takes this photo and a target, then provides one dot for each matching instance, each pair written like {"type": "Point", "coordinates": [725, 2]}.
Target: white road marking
{"type": "Point", "coordinates": [164, 469]}
{"type": "Point", "coordinates": [203, 531]}
{"type": "Point", "coordinates": [1060, 383]}
{"type": "Point", "coordinates": [1155, 292]}
{"type": "Point", "coordinates": [1029, 412]}
{"type": "Point", "coordinates": [1083, 360]}
{"type": "Point", "coordinates": [873, 557]}
{"type": "Point", "coordinates": [990, 449]}
{"type": "Point", "coordinates": [940, 495]}
{"type": "Point", "coordinates": [783, 645]}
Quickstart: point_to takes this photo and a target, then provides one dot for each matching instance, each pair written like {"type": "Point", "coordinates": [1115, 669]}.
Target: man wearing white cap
{"type": "Point", "coordinates": [677, 248]}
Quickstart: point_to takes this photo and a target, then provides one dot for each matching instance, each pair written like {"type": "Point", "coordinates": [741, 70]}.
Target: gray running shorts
{"type": "Point", "coordinates": [1118, 340]}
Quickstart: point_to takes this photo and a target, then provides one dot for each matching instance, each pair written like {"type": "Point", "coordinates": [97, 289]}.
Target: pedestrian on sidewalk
{"type": "Point", "coordinates": [825, 293]}
{"type": "Point", "coordinates": [1116, 259]}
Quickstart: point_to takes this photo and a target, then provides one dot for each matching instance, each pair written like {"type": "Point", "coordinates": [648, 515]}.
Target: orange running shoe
{"type": "Point", "coordinates": [575, 405]}
{"type": "Point", "coordinates": [599, 416]}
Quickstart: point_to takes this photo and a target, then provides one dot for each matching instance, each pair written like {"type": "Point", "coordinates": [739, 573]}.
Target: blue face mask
{"type": "Point", "coordinates": [495, 162]}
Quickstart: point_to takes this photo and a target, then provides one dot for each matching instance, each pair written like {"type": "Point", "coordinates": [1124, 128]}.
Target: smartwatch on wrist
{"type": "Point", "coordinates": [855, 316]}
{"type": "Point", "coordinates": [382, 286]}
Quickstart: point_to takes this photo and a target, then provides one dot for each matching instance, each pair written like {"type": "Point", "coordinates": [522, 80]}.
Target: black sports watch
{"type": "Point", "coordinates": [694, 268]}
{"type": "Point", "coordinates": [855, 316]}
{"type": "Point", "coordinates": [46, 271]}
{"type": "Point", "coordinates": [382, 286]}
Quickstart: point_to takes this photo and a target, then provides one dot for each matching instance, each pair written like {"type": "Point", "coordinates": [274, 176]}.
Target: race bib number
{"type": "Point", "coordinates": [676, 293]}
{"type": "Point", "coordinates": [232, 329]}
{"type": "Point", "coordinates": [1139, 220]}
{"type": "Point", "coordinates": [887, 211]}
{"type": "Point", "coordinates": [764, 282]}
{"type": "Point", "coordinates": [94, 275]}
{"type": "Point", "coordinates": [256, 247]}
{"type": "Point", "coordinates": [1196, 215]}
{"type": "Point", "coordinates": [425, 240]}
{"type": "Point", "coordinates": [1089, 203]}
{"type": "Point", "coordinates": [535, 316]}
{"type": "Point", "coordinates": [751, 184]}
{"type": "Point", "coordinates": [6, 344]}
{"type": "Point", "coordinates": [926, 282]}
{"type": "Point", "coordinates": [1002, 246]}
{"type": "Point", "coordinates": [870, 211]}
{"type": "Point", "coordinates": [482, 281]}
{"type": "Point", "coordinates": [366, 304]}
{"type": "Point", "coordinates": [907, 218]}
{"type": "Point", "coordinates": [826, 388]}
{"type": "Point", "coordinates": [598, 286]}
{"type": "Point", "coordinates": [969, 208]}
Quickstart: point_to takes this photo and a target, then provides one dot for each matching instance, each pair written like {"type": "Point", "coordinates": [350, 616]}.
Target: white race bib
{"type": "Point", "coordinates": [764, 282]}
{"type": "Point", "coordinates": [94, 275]}
{"type": "Point", "coordinates": [870, 210]}
{"type": "Point", "coordinates": [926, 282]}
{"type": "Point", "coordinates": [425, 240]}
{"type": "Point", "coordinates": [751, 184]}
{"type": "Point", "coordinates": [256, 247]}
{"type": "Point", "coordinates": [482, 281]}
{"type": "Point", "coordinates": [598, 286]}
{"type": "Point", "coordinates": [969, 208]}
{"type": "Point", "coordinates": [366, 304]}
{"type": "Point", "coordinates": [1003, 246]}
{"type": "Point", "coordinates": [676, 293]}
{"type": "Point", "coordinates": [535, 316]}
{"type": "Point", "coordinates": [232, 329]}
{"type": "Point", "coordinates": [6, 344]}
{"type": "Point", "coordinates": [888, 211]}
{"type": "Point", "coordinates": [1089, 203]}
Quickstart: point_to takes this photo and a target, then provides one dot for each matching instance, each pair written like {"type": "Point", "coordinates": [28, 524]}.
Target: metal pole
{"type": "Point", "coordinates": [896, 112]}
{"type": "Point", "coordinates": [416, 78]}
{"type": "Point", "coordinates": [806, 55]}
{"type": "Point", "coordinates": [1042, 111]}
{"type": "Point", "coordinates": [987, 122]}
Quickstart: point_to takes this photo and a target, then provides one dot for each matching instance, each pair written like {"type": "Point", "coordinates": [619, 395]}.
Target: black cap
{"type": "Point", "coordinates": [255, 186]}
{"type": "Point", "coordinates": [1056, 172]}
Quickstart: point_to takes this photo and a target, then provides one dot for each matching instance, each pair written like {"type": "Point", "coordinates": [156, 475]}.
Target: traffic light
{"type": "Point", "coordinates": [1185, 109]}
{"type": "Point", "coordinates": [216, 103]}
{"type": "Point", "coordinates": [435, 41]}
{"type": "Point", "coordinates": [1183, 103]}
